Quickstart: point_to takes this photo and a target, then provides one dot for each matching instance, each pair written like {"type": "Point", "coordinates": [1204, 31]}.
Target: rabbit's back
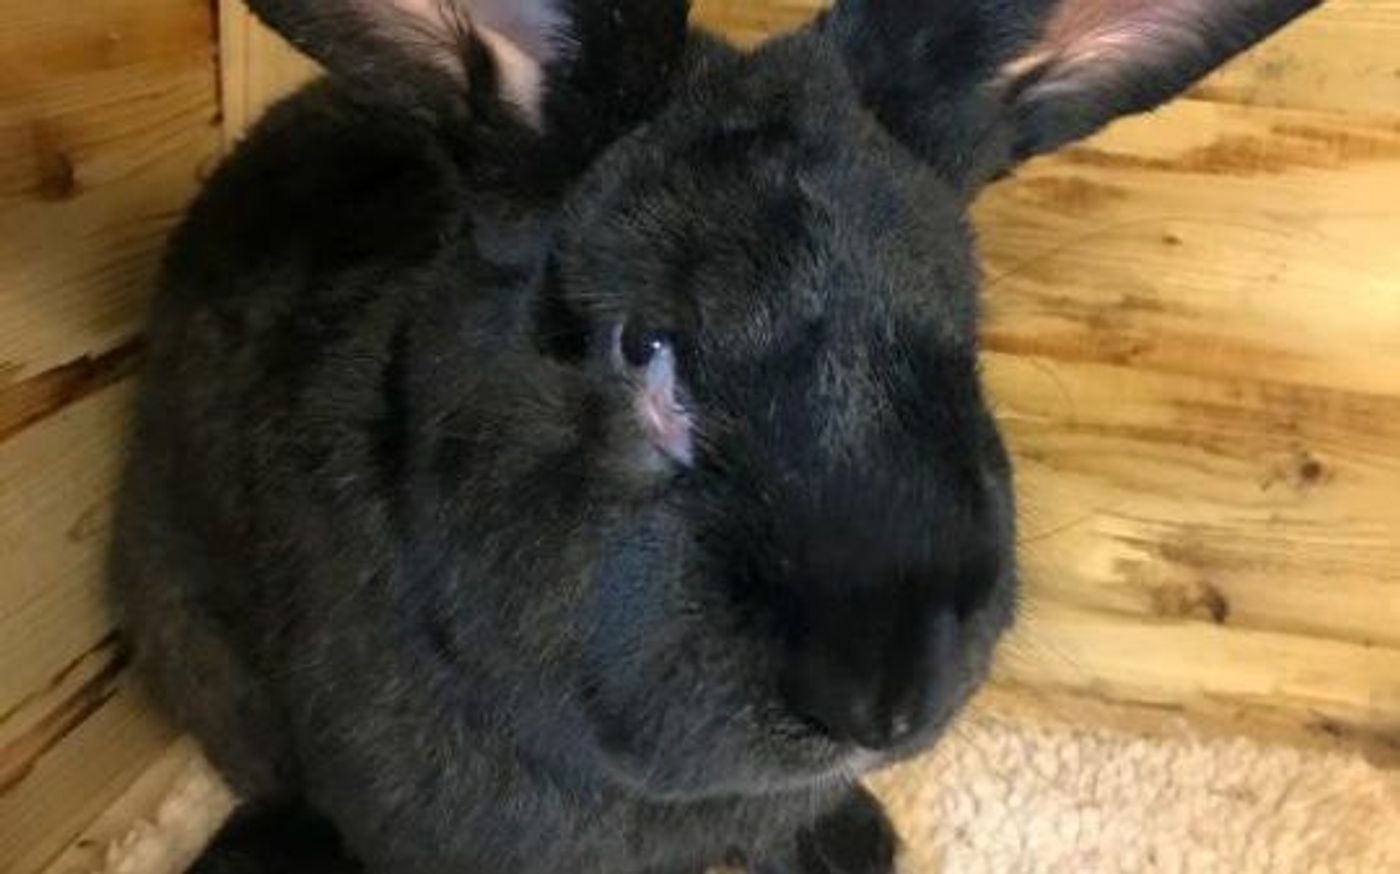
{"type": "Point", "coordinates": [268, 437]}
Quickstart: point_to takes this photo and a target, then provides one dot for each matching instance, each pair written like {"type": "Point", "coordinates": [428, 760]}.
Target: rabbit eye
{"type": "Point", "coordinates": [639, 345]}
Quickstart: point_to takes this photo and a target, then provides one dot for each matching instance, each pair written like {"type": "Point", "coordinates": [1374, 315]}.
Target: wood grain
{"type": "Point", "coordinates": [72, 781]}
{"type": "Point", "coordinates": [159, 824]}
{"type": "Point", "coordinates": [1174, 498]}
{"type": "Point", "coordinates": [70, 736]}
{"type": "Point", "coordinates": [108, 121]}
{"type": "Point", "coordinates": [29, 401]}
{"type": "Point", "coordinates": [56, 485]}
{"type": "Point", "coordinates": [1343, 687]}
{"type": "Point", "coordinates": [1194, 343]}
{"type": "Point", "coordinates": [257, 68]}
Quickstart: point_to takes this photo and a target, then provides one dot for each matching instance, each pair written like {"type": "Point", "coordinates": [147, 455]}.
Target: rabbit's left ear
{"type": "Point", "coordinates": [973, 86]}
{"type": "Point", "coordinates": [436, 56]}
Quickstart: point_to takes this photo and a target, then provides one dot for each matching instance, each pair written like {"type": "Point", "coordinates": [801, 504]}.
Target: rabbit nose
{"type": "Point", "coordinates": [877, 694]}
{"type": "Point", "coordinates": [861, 719]}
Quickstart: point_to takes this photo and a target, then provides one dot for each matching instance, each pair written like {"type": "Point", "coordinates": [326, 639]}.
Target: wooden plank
{"type": "Point", "coordinates": [158, 825]}
{"type": "Point", "coordinates": [108, 121]}
{"type": "Point", "coordinates": [26, 403]}
{"type": "Point", "coordinates": [1085, 708]}
{"type": "Point", "coordinates": [748, 23]}
{"type": "Point", "coordinates": [257, 68]}
{"type": "Point", "coordinates": [1193, 327]}
{"type": "Point", "coordinates": [1179, 499]}
{"type": "Point", "coordinates": [108, 118]}
{"type": "Point", "coordinates": [56, 485]}
{"type": "Point", "coordinates": [70, 740]}
{"type": "Point", "coordinates": [32, 728]}
{"type": "Point", "coordinates": [1341, 58]}
{"type": "Point", "coordinates": [59, 777]}
{"type": "Point", "coordinates": [1194, 335]}
{"type": "Point", "coordinates": [1341, 688]}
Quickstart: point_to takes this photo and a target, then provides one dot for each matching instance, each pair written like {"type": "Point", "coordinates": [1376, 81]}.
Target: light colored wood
{"type": "Point", "coordinates": [94, 760]}
{"type": "Point", "coordinates": [56, 483]}
{"type": "Point", "coordinates": [71, 735]}
{"type": "Point", "coordinates": [1329, 685]}
{"type": "Point", "coordinates": [1342, 59]}
{"type": "Point", "coordinates": [107, 119]}
{"type": "Point", "coordinates": [1177, 499]}
{"type": "Point", "coordinates": [1211, 238]}
{"type": "Point", "coordinates": [257, 68]}
{"type": "Point", "coordinates": [158, 825]}
{"type": "Point", "coordinates": [108, 122]}
{"type": "Point", "coordinates": [1217, 718]}
{"type": "Point", "coordinates": [748, 23]}
{"type": "Point", "coordinates": [1194, 343]}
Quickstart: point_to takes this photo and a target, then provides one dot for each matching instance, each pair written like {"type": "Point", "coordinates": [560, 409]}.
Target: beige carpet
{"type": "Point", "coordinates": [1015, 790]}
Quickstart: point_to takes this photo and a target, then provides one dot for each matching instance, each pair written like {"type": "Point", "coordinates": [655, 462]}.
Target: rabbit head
{"type": "Point", "coordinates": [762, 280]}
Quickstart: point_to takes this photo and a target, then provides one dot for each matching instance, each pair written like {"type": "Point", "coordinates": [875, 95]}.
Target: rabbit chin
{"type": "Point", "coordinates": [664, 772]}
{"type": "Point", "coordinates": [704, 780]}
{"type": "Point", "coordinates": [692, 765]}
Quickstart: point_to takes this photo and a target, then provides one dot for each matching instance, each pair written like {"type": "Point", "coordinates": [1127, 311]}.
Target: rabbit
{"type": "Point", "coordinates": [561, 446]}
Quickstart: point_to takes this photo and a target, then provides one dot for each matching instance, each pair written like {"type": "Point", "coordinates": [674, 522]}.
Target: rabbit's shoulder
{"type": "Point", "coordinates": [325, 185]}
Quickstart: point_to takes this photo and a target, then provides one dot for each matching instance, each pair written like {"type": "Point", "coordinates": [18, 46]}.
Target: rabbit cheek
{"type": "Point", "coordinates": [667, 423]}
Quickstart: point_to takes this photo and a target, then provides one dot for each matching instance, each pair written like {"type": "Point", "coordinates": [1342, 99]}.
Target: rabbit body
{"type": "Point", "coordinates": [568, 454]}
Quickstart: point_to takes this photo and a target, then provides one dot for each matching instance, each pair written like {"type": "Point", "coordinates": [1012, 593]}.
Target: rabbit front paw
{"type": "Point", "coordinates": [854, 837]}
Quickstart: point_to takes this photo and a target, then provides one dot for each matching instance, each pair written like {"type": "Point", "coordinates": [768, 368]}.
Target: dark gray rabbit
{"type": "Point", "coordinates": [562, 447]}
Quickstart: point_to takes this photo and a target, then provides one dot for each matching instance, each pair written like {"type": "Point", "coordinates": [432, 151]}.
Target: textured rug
{"type": "Point", "coordinates": [1014, 790]}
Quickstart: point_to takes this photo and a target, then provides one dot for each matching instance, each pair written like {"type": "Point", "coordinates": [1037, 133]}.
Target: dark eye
{"type": "Point", "coordinates": [641, 344]}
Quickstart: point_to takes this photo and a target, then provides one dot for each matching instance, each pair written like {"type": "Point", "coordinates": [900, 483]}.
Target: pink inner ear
{"type": "Point", "coordinates": [1084, 32]}
{"type": "Point", "coordinates": [423, 9]}
{"type": "Point", "coordinates": [537, 28]}
{"type": "Point", "coordinates": [523, 37]}
{"type": "Point", "coordinates": [664, 419]}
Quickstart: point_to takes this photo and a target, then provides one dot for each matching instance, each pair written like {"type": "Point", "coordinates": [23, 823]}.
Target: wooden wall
{"type": "Point", "coordinates": [108, 117]}
{"type": "Point", "coordinates": [1193, 342]}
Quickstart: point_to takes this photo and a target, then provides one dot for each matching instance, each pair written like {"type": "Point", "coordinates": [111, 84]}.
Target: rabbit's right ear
{"type": "Point", "coordinates": [441, 57]}
{"type": "Point", "coordinates": [975, 86]}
